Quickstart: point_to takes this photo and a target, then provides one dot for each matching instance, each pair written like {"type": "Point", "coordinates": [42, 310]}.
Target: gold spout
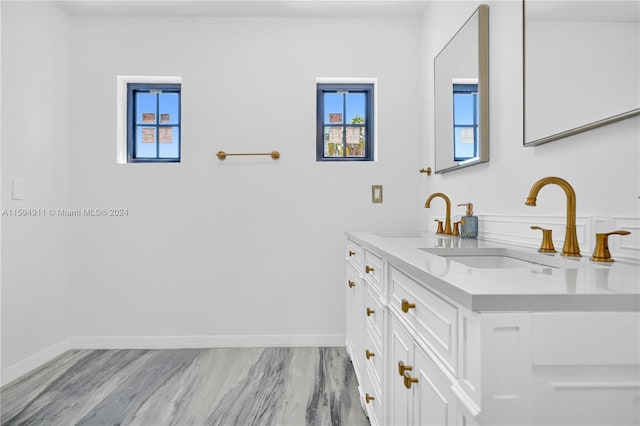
{"type": "Point", "coordinates": [447, 220]}
{"type": "Point", "coordinates": [570, 248]}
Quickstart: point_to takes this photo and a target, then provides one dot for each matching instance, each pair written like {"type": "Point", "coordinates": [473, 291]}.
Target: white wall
{"type": "Point", "coordinates": [245, 246]}
{"type": "Point", "coordinates": [601, 165]}
{"type": "Point", "coordinates": [35, 149]}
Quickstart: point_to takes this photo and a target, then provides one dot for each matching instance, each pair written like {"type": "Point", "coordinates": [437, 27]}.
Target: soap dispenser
{"type": "Point", "coordinates": [469, 223]}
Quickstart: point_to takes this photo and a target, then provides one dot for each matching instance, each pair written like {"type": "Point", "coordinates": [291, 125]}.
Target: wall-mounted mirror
{"type": "Point", "coordinates": [461, 93]}
{"type": "Point", "coordinates": [581, 66]}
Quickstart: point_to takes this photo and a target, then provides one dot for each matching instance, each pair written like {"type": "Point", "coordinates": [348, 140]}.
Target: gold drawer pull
{"type": "Point", "coordinates": [402, 368]}
{"type": "Point", "coordinates": [368, 398]}
{"type": "Point", "coordinates": [368, 269]}
{"type": "Point", "coordinates": [369, 354]}
{"type": "Point", "coordinates": [351, 284]}
{"type": "Point", "coordinates": [408, 380]}
{"type": "Point", "coordinates": [370, 311]}
{"type": "Point", "coordinates": [406, 305]}
{"type": "Point", "coordinates": [352, 253]}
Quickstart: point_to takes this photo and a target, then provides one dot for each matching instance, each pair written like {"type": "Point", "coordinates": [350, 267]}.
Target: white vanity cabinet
{"type": "Point", "coordinates": [365, 326]}
{"type": "Point", "coordinates": [355, 291]}
{"type": "Point", "coordinates": [424, 357]}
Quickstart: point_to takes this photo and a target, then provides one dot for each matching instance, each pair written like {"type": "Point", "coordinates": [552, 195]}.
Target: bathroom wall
{"type": "Point", "coordinates": [601, 164]}
{"type": "Point", "coordinates": [35, 149]}
{"type": "Point", "coordinates": [247, 250]}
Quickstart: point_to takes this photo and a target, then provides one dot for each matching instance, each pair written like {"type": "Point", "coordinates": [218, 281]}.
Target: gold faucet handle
{"type": "Point", "coordinates": [601, 252]}
{"type": "Point", "coordinates": [547, 240]}
{"type": "Point", "coordinates": [456, 228]}
{"type": "Point", "coordinates": [440, 228]}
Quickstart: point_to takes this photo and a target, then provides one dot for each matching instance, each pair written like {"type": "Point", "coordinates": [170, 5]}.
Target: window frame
{"type": "Point", "coordinates": [466, 89]}
{"type": "Point", "coordinates": [132, 89]}
{"type": "Point", "coordinates": [369, 126]}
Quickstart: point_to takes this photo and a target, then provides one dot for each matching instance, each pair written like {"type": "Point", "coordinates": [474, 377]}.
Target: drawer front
{"type": "Point", "coordinates": [373, 358]}
{"type": "Point", "coordinates": [354, 254]}
{"type": "Point", "coordinates": [433, 318]}
{"type": "Point", "coordinates": [373, 270]}
{"type": "Point", "coordinates": [374, 313]}
{"type": "Point", "coordinates": [374, 407]}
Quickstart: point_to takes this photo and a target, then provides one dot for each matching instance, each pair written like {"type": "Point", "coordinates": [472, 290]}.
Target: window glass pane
{"type": "Point", "coordinates": [146, 141]}
{"type": "Point", "coordinates": [333, 141]}
{"type": "Point", "coordinates": [355, 139]}
{"type": "Point", "coordinates": [146, 108]}
{"type": "Point", "coordinates": [463, 108]}
{"type": "Point", "coordinates": [169, 138]}
{"type": "Point", "coordinates": [169, 108]}
{"type": "Point", "coordinates": [356, 104]}
{"type": "Point", "coordinates": [464, 143]}
{"type": "Point", "coordinates": [333, 108]}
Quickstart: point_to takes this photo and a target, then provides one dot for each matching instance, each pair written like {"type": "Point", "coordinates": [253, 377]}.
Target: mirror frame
{"type": "Point", "coordinates": [569, 132]}
{"type": "Point", "coordinates": [483, 93]}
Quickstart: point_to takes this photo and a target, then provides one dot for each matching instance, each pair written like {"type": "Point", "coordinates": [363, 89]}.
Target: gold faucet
{"type": "Point", "coordinates": [447, 224]}
{"type": "Point", "coordinates": [570, 248]}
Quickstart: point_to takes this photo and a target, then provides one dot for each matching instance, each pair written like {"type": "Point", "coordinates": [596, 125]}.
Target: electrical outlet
{"type": "Point", "coordinates": [376, 193]}
{"type": "Point", "coordinates": [17, 189]}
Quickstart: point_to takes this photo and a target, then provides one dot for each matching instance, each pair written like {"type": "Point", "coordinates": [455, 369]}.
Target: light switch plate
{"type": "Point", "coordinates": [376, 193]}
{"type": "Point", "coordinates": [17, 189]}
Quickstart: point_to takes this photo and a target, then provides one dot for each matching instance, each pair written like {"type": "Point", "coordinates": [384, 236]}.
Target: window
{"type": "Point", "coordinates": [465, 121]}
{"type": "Point", "coordinates": [345, 122]}
{"type": "Point", "coordinates": [153, 122]}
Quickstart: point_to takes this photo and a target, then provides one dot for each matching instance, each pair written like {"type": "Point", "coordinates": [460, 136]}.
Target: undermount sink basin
{"type": "Point", "coordinates": [503, 258]}
{"type": "Point", "coordinates": [400, 234]}
{"type": "Point", "coordinates": [495, 261]}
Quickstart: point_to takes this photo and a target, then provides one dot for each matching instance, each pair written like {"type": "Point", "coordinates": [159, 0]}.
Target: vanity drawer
{"type": "Point", "coordinates": [373, 269]}
{"type": "Point", "coordinates": [374, 359]}
{"type": "Point", "coordinates": [434, 319]}
{"type": "Point", "coordinates": [374, 312]}
{"type": "Point", "coordinates": [354, 254]}
{"type": "Point", "coordinates": [374, 406]}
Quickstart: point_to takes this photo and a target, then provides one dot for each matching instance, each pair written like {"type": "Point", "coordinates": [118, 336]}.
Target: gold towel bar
{"type": "Point", "coordinates": [274, 154]}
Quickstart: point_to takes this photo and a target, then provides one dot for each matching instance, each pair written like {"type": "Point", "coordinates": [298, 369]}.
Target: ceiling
{"type": "Point", "coordinates": [243, 8]}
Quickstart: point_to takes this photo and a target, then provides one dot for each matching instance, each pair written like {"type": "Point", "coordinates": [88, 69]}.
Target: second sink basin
{"type": "Point", "coordinates": [502, 258]}
{"type": "Point", "coordinates": [495, 261]}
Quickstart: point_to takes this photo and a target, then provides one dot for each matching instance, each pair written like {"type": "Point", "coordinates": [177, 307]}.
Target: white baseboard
{"type": "Point", "coordinates": [23, 367]}
{"type": "Point", "coordinates": [36, 360]}
{"type": "Point", "coordinates": [236, 341]}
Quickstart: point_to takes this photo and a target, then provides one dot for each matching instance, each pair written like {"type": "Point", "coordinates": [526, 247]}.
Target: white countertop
{"type": "Point", "coordinates": [579, 285]}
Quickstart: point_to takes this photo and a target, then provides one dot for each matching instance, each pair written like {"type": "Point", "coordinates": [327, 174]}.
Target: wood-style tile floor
{"type": "Point", "coordinates": [248, 386]}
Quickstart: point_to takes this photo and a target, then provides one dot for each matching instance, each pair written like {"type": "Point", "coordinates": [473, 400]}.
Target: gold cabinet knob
{"type": "Point", "coordinates": [547, 240]}
{"type": "Point", "coordinates": [440, 228]}
{"type": "Point", "coordinates": [368, 398]}
{"type": "Point", "coordinates": [601, 252]}
{"type": "Point", "coordinates": [427, 171]}
{"type": "Point", "coordinates": [406, 306]}
{"type": "Point", "coordinates": [352, 253]}
{"type": "Point", "coordinates": [402, 368]}
{"type": "Point", "coordinates": [368, 269]}
{"type": "Point", "coordinates": [370, 312]}
{"type": "Point", "coordinates": [408, 380]}
{"type": "Point", "coordinates": [368, 354]}
{"type": "Point", "coordinates": [351, 284]}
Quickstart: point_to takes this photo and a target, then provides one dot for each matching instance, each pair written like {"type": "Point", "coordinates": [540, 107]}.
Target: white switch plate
{"type": "Point", "coordinates": [376, 193]}
{"type": "Point", "coordinates": [17, 189]}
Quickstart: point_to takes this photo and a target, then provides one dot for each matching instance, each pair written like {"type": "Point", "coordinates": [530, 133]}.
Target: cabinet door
{"type": "Point", "coordinates": [401, 351]}
{"type": "Point", "coordinates": [355, 319]}
{"type": "Point", "coordinates": [434, 402]}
